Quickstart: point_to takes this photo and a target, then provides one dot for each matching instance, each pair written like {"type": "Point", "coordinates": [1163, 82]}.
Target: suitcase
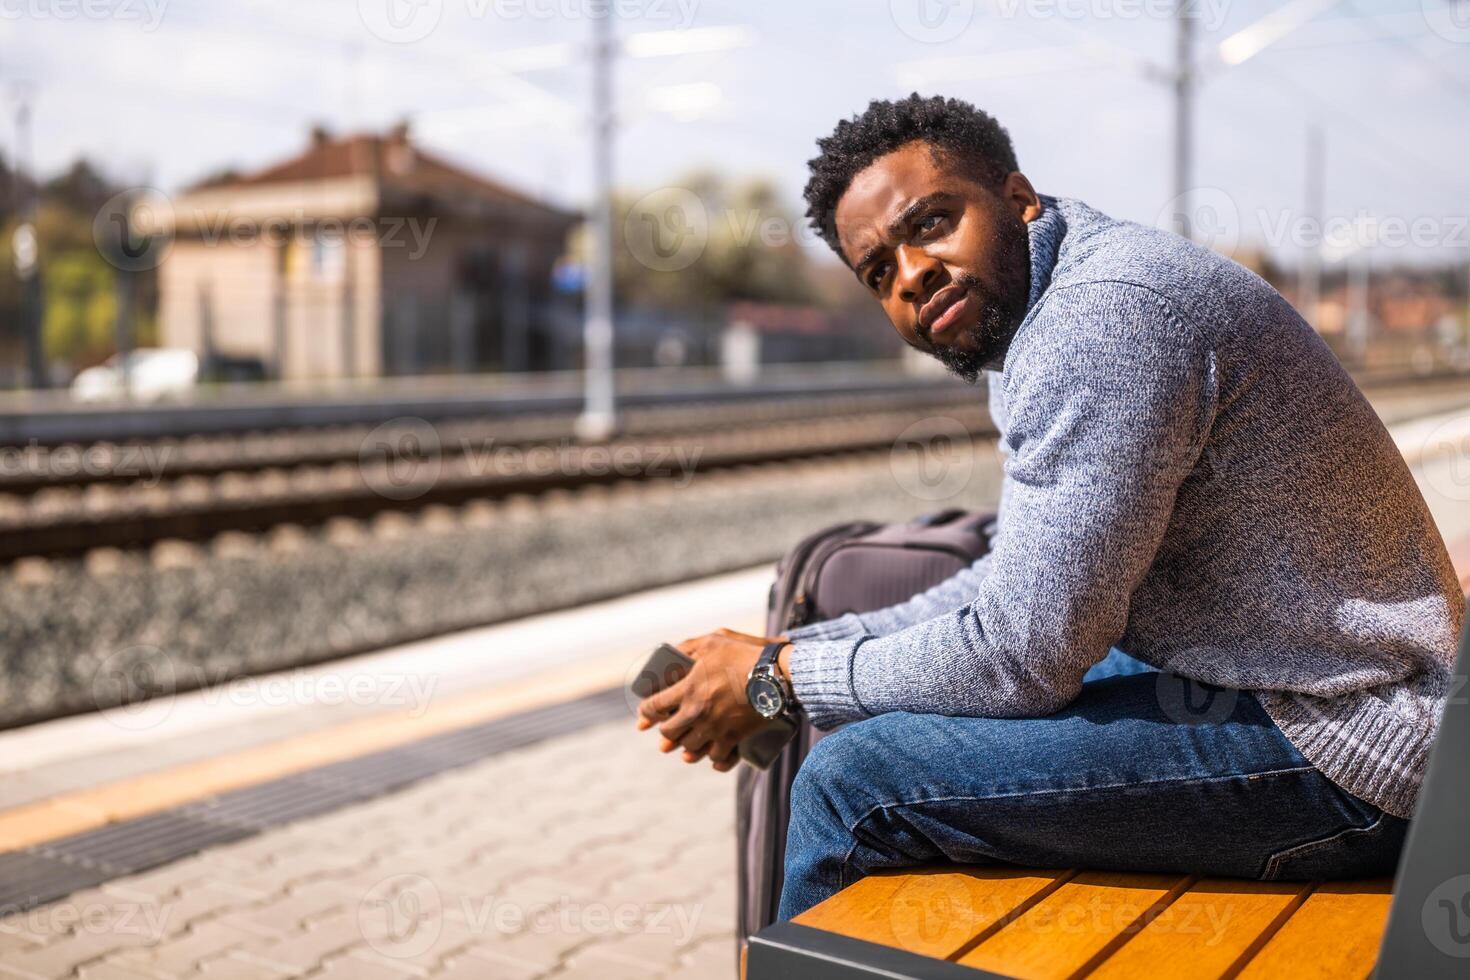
{"type": "Point", "coordinates": [853, 567]}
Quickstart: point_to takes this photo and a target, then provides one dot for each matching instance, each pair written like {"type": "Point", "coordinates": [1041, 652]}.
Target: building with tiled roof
{"type": "Point", "coordinates": [362, 256]}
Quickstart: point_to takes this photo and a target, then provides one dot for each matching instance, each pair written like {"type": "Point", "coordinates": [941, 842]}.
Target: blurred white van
{"type": "Point", "coordinates": [153, 374]}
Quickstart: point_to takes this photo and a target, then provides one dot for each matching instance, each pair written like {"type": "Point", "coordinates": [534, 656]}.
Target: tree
{"type": "Point", "coordinates": [81, 307]}
{"type": "Point", "coordinates": [703, 242]}
{"type": "Point", "coordinates": [78, 284]}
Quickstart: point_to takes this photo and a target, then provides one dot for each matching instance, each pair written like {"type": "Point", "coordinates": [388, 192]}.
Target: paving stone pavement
{"type": "Point", "coordinates": [589, 855]}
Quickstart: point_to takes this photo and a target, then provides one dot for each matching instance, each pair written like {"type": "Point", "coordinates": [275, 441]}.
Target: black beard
{"type": "Point", "coordinates": [998, 321]}
{"type": "Point", "coordinates": [992, 331]}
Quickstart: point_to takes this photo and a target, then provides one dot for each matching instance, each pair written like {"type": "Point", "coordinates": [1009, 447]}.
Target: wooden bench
{"type": "Point", "coordinates": [965, 922]}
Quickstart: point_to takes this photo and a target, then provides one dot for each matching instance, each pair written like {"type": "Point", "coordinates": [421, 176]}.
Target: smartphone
{"type": "Point", "coordinates": [668, 664]}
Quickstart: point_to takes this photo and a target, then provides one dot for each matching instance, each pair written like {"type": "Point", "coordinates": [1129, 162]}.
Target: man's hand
{"type": "Point", "coordinates": [706, 711]}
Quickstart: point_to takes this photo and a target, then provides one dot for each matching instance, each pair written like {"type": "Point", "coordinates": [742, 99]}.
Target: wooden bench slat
{"type": "Point", "coordinates": [1205, 931]}
{"type": "Point", "coordinates": [933, 912]}
{"type": "Point", "coordinates": [1078, 922]}
{"type": "Point", "coordinates": [1335, 933]}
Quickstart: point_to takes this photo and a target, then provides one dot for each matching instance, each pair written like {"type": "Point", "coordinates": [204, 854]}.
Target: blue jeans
{"type": "Point", "coordinates": [1144, 771]}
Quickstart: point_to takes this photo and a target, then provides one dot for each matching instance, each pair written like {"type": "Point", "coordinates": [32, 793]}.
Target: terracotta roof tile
{"type": "Point", "coordinates": [400, 165]}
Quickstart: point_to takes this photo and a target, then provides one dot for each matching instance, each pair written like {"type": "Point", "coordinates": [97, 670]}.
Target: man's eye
{"type": "Point", "coordinates": [931, 222]}
{"type": "Point", "coordinates": [876, 274]}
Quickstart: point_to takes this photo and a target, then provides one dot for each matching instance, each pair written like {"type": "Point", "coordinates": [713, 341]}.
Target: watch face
{"type": "Point", "coordinates": [765, 696]}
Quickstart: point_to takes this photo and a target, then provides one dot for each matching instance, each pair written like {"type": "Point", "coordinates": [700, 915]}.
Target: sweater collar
{"type": "Point", "coordinates": [1045, 234]}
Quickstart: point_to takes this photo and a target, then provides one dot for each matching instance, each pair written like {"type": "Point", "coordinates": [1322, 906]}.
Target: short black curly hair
{"type": "Point", "coordinates": [948, 124]}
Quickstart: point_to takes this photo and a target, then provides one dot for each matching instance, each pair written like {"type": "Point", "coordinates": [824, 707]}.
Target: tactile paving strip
{"type": "Point", "coordinates": [46, 872]}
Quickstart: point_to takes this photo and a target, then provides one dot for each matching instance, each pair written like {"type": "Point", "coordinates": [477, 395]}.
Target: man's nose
{"type": "Point", "coordinates": [917, 273]}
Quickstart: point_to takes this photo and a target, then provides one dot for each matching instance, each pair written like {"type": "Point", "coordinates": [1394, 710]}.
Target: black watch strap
{"type": "Point", "coordinates": [769, 653]}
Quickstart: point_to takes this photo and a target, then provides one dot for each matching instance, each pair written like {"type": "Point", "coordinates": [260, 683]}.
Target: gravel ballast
{"type": "Point", "coordinates": [92, 633]}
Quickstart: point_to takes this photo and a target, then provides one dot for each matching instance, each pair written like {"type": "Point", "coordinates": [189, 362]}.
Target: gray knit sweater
{"type": "Point", "coordinates": [1189, 475]}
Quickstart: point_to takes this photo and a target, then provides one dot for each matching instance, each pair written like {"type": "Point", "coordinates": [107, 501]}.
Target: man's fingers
{"type": "Point", "coordinates": [725, 756]}
{"type": "Point", "coordinates": [660, 704]}
{"type": "Point", "coordinates": [697, 751]}
{"type": "Point", "coordinates": [678, 726]}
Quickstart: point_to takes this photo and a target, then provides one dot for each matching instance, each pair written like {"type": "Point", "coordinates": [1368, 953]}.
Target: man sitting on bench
{"type": "Point", "coordinates": [1190, 477]}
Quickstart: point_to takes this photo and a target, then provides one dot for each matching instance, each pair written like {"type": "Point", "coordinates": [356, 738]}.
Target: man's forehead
{"type": "Point", "coordinates": [879, 192]}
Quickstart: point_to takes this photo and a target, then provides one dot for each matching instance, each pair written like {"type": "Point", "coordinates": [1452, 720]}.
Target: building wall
{"type": "Point", "coordinates": [426, 324]}
{"type": "Point", "coordinates": [476, 296]}
{"type": "Point", "coordinates": [469, 292]}
{"type": "Point", "coordinates": [367, 290]}
{"type": "Point", "coordinates": [247, 293]}
{"type": "Point", "coordinates": [330, 287]}
{"type": "Point", "coordinates": [217, 295]}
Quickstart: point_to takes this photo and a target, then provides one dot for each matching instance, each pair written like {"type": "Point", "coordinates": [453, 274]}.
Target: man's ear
{"type": "Point", "coordinates": [1020, 196]}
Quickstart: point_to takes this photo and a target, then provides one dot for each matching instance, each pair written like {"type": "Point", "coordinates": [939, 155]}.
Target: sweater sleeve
{"type": "Point", "coordinates": [937, 600]}
{"type": "Point", "coordinates": [1110, 398]}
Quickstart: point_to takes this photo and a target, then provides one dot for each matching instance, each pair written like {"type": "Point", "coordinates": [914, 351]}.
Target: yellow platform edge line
{"type": "Point", "coordinates": [76, 811]}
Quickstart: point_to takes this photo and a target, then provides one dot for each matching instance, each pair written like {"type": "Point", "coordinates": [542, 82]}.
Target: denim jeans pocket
{"type": "Point", "coordinates": [1348, 852]}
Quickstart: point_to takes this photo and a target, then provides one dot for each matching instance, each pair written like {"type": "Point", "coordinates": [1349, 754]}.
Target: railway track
{"type": "Point", "coordinates": [32, 469]}
{"type": "Point", "coordinates": [253, 483]}
{"type": "Point", "coordinates": [408, 470]}
{"type": "Point", "coordinates": [35, 468]}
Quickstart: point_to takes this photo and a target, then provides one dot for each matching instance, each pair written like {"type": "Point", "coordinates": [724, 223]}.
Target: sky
{"type": "Point", "coordinates": [161, 92]}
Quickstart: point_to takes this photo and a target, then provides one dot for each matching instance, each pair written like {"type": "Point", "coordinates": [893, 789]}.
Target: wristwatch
{"type": "Point", "coordinates": [765, 688]}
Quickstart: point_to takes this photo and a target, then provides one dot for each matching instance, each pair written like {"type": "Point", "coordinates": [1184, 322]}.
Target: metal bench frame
{"type": "Point", "coordinates": [1432, 886]}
